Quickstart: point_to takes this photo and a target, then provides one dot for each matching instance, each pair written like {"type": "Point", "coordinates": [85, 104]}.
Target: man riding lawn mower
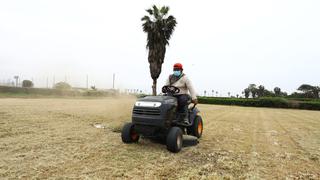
{"type": "Point", "coordinates": [181, 81]}
{"type": "Point", "coordinates": [166, 116]}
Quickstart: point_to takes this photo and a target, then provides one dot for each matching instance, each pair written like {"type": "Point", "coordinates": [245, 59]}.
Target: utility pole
{"type": "Point", "coordinates": [114, 76]}
{"type": "Point", "coordinates": [16, 77]}
{"type": "Point", "coordinates": [87, 81]}
{"type": "Point", "coordinates": [47, 82]}
{"type": "Point", "coordinates": [54, 81]}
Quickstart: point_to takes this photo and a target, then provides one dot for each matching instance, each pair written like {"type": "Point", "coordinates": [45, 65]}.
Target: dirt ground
{"type": "Point", "coordinates": [55, 138]}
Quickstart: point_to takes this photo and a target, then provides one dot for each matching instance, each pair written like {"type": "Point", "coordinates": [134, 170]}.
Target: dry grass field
{"type": "Point", "coordinates": [55, 138]}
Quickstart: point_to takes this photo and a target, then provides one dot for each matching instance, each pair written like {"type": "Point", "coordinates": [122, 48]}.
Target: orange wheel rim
{"type": "Point", "coordinates": [134, 135]}
{"type": "Point", "coordinates": [200, 127]}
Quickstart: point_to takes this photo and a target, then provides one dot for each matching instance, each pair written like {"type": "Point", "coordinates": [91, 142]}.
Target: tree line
{"type": "Point", "coordinates": [304, 91]}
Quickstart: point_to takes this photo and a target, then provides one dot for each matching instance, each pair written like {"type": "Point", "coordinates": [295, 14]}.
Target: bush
{"type": "Point", "coordinates": [62, 86]}
{"type": "Point", "coordinates": [27, 83]}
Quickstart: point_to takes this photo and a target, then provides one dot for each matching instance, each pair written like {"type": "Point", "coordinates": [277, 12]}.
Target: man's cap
{"type": "Point", "coordinates": [178, 66]}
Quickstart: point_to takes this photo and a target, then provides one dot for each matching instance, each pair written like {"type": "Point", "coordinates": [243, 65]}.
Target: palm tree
{"type": "Point", "coordinates": [159, 28]}
{"type": "Point", "coordinates": [261, 91]}
{"type": "Point", "coordinates": [277, 91]}
{"type": "Point", "coordinates": [229, 94]}
{"type": "Point", "coordinates": [247, 92]}
{"type": "Point", "coordinates": [17, 79]}
{"type": "Point", "coordinates": [253, 90]}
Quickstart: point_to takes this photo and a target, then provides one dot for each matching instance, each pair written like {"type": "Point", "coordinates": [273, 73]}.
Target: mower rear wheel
{"type": "Point", "coordinates": [128, 134]}
{"type": "Point", "coordinates": [174, 139]}
{"type": "Point", "coordinates": [197, 127]}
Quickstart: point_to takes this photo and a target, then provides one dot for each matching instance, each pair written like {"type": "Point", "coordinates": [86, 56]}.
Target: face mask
{"type": "Point", "coordinates": [177, 73]}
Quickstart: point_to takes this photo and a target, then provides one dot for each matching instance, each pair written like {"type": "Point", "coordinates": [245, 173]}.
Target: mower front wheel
{"type": "Point", "coordinates": [128, 134]}
{"type": "Point", "coordinates": [174, 139]}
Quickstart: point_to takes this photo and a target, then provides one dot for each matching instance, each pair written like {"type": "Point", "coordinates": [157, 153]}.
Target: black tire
{"type": "Point", "coordinates": [197, 127]}
{"type": "Point", "coordinates": [128, 134]}
{"type": "Point", "coordinates": [174, 139]}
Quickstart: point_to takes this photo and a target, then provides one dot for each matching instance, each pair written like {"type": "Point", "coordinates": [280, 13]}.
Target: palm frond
{"type": "Point", "coordinates": [155, 11]}
{"type": "Point", "coordinates": [145, 18]}
{"type": "Point", "coordinates": [150, 11]}
{"type": "Point", "coordinates": [170, 24]}
{"type": "Point", "coordinates": [164, 10]}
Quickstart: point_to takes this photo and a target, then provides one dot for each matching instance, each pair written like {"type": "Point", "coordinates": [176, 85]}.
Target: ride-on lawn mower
{"type": "Point", "coordinates": [157, 116]}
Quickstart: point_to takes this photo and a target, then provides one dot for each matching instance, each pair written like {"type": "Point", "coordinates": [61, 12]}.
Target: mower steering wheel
{"type": "Point", "coordinates": [170, 90]}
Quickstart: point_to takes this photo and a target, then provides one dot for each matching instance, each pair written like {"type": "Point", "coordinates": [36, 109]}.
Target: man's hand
{"type": "Point", "coordinates": [195, 101]}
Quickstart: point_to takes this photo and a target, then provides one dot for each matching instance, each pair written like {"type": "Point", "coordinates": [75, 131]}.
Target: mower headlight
{"type": "Point", "coordinates": [148, 104]}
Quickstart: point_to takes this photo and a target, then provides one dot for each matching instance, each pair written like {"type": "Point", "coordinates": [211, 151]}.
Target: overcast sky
{"type": "Point", "coordinates": [223, 45]}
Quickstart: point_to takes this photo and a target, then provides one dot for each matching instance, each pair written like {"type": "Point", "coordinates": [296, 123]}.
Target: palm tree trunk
{"type": "Point", "coordinates": [154, 87]}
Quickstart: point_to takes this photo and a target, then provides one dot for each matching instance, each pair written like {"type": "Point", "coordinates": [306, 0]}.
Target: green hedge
{"type": "Point", "coordinates": [275, 102]}
{"type": "Point", "coordinates": [228, 101]}
{"type": "Point", "coordinates": [309, 105]}
{"type": "Point", "coordinates": [303, 99]}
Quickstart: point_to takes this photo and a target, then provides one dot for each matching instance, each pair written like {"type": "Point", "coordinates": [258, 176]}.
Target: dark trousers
{"type": "Point", "coordinates": [183, 102]}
